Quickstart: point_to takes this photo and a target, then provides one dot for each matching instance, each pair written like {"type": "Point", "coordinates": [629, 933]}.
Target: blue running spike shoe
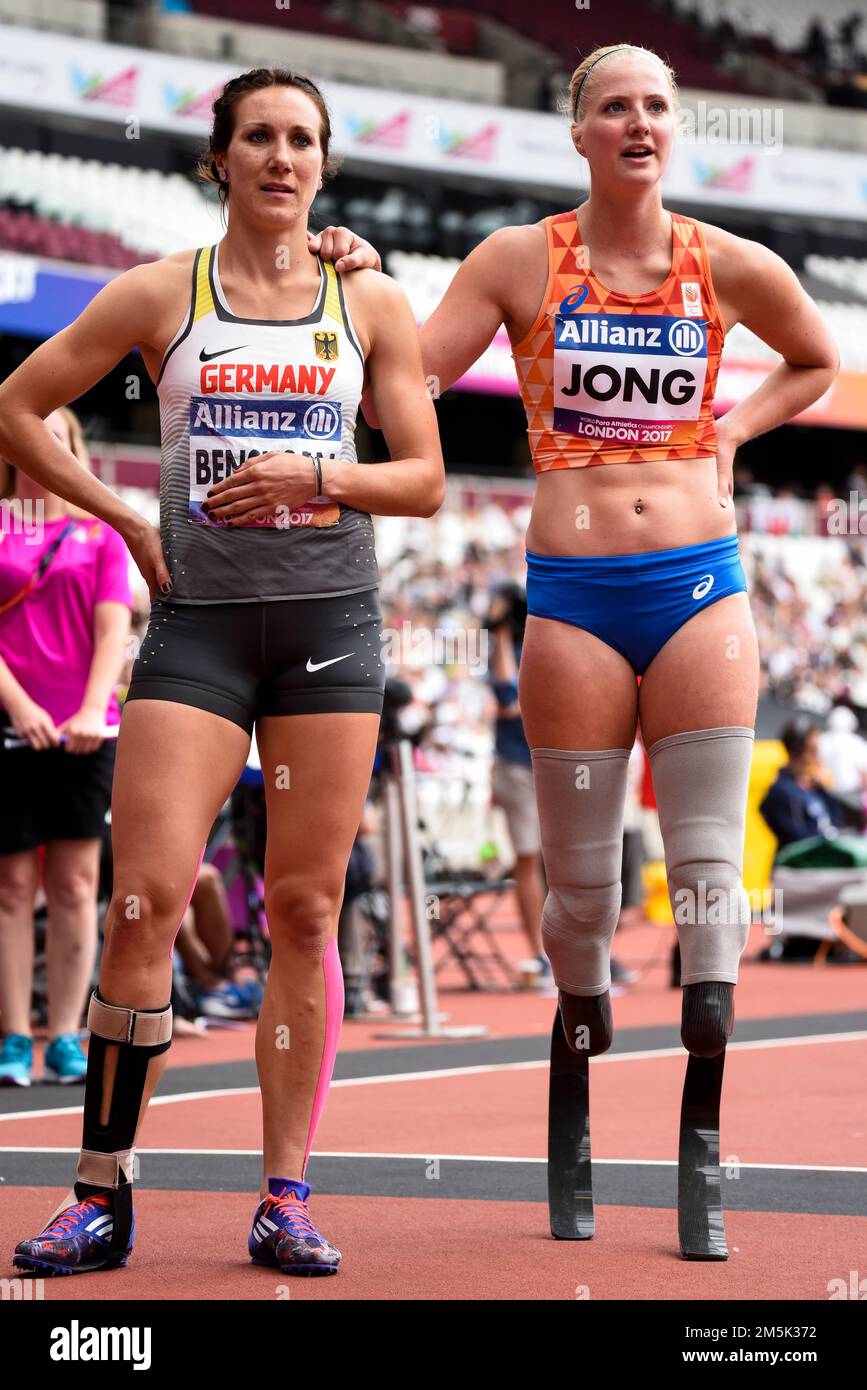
{"type": "Point", "coordinates": [284, 1235]}
{"type": "Point", "coordinates": [75, 1242]}
{"type": "Point", "coordinates": [16, 1060]}
{"type": "Point", "coordinates": [65, 1060]}
{"type": "Point", "coordinates": [231, 1000]}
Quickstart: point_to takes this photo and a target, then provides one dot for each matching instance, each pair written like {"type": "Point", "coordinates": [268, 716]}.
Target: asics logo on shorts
{"type": "Point", "coordinates": [317, 666]}
{"type": "Point", "coordinates": [704, 585]}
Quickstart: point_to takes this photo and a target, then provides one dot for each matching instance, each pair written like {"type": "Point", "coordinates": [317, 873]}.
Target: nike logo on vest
{"type": "Point", "coordinates": [208, 356]}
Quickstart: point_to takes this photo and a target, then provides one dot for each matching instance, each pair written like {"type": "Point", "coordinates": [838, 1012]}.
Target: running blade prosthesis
{"type": "Point", "coordinates": [708, 1018]}
{"type": "Point", "coordinates": [570, 1187]}
{"type": "Point", "coordinates": [700, 1226]}
{"type": "Point", "coordinates": [707, 1023]}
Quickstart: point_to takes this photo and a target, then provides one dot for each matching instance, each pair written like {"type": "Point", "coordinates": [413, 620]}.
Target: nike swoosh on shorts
{"type": "Point", "coordinates": [317, 666]}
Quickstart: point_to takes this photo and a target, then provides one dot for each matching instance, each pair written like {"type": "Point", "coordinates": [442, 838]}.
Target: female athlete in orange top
{"type": "Point", "coordinates": [617, 314]}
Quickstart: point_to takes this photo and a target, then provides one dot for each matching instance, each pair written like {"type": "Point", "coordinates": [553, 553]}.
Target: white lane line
{"type": "Point", "coordinates": [450, 1158]}
{"type": "Point", "coordinates": [651, 1054]}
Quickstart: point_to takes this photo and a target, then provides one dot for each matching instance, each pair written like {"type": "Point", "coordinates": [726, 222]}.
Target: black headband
{"type": "Point", "coordinates": [619, 49]}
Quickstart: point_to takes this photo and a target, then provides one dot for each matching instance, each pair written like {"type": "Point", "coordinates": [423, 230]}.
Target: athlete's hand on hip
{"type": "Point", "coordinates": [344, 248]}
{"type": "Point", "coordinates": [269, 483]}
{"type": "Point", "coordinates": [725, 462]}
{"type": "Point", "coordinates": [146, 548]}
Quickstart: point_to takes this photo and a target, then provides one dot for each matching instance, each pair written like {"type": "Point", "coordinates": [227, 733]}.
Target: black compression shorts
{"type": "Point", "coordinates": [248, 660]}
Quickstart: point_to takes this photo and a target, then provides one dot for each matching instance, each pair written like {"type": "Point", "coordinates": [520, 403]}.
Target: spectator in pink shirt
{"type": "Point", "coordinates": [64, 618]}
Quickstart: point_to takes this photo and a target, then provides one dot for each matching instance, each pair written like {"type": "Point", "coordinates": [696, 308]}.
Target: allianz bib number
{"type": "Point", "coordinates": [225, 433]}
{"type": "Point", "coordinates": [635, 379]}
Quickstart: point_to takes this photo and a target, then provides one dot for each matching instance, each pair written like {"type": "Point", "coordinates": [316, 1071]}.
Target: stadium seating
{"type": "Point", "coordinates": [312, 16]}
{"type": "Point", "coordinates": [694, 57]}
{"type": "Point", "coordinates": [140, 213]}
{"type": "Point", "coordinates": [787, 26]}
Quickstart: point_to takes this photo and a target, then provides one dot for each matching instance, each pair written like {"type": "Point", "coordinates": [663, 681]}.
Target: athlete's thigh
{"type": "Point", "coordinates": [175, 767]}
{"type": "Point", "coordinates": [574, 690]}
{"type": "Point", "coordinates": [706, 676]}
{"type": "Point", "coordinates": [317, 771]}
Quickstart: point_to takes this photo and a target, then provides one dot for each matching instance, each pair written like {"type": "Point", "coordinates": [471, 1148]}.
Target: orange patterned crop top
{"type": "Point", "coordinates": [620, 378]}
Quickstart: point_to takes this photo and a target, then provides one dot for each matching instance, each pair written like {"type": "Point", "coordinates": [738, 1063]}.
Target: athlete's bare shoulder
{"type": "Point", "coordinates": [150, 300]}
{"type": "Point", "coordinates": [508, 269]}
{"type": "Point", "coordinates": [375, 300]}
{"type": "Point", "coordinates": [509, 248]}
{"type": "Point", "coordinates": [735, 261]}
{"type": "Point", "coordinates": [169, 280]}
{"type": "Point", "coordinates": [746, 274]}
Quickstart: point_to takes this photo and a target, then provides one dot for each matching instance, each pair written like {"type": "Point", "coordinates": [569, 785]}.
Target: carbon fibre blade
{"type": "Point", "coordinates": [570, 1189]}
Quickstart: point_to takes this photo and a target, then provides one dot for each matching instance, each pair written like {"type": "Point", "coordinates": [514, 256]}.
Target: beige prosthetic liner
{"type": "Point", "coordinates": [581, 798]}
{"type": "Point", "coordinates": [700, 780]}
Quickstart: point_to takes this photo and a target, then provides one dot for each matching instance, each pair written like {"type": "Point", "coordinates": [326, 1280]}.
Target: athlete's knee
{"type": "Point", "coordinates": [301, 916]}
{"type": "Point", "coordinates": [577, 929]}
{"type": "Point", "coordinates": [142, 922]}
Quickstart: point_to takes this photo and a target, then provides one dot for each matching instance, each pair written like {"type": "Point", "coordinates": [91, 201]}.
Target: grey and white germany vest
{"type": "Point", "coordinates": [232, 388]}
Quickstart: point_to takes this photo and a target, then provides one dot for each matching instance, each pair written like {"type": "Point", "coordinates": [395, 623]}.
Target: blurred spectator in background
{"type": "Point", "coordinates": [744, 483]}
{"type": "Point", "coordinates": [848, 32]}
{"type": "Point", "coordinates": [512, 771]}
{"type": "Point", "coordinates": [64, 618]}
{"type": "Point", "coordinates": [843, 752]}
{"type": "Point", "coordinates": [221, 986]}
{"type": "Point", "coordinates": [856, 480]}
{"type": "Point", "coordinates": [797, 806]}
{"type": "Point", "coordinates": [355, 939]}
{"type": "Point", "coordinates": [815, 48]}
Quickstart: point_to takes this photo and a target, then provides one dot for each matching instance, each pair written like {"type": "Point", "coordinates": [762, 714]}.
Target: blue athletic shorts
{"type": "Point", "coordinates": [634, 603]}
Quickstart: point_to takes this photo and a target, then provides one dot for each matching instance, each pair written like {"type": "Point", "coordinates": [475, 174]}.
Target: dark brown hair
{"type": "Point", "coordinates": [223, 127]}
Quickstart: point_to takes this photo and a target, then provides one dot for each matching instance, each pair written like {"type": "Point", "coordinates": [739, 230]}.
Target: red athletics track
{"type": "Point", "coordinates": [428, 1170]}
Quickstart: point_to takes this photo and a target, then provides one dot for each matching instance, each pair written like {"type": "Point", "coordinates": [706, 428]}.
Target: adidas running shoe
{"type": "Point", "coordinates": [75, 1242]}
{"type": "Point", "coordinates": [284, 1235]}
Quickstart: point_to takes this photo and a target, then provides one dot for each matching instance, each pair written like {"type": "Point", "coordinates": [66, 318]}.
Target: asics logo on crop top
{"type": "Point", "coordinates": [574, 299]}
{"type": "Point", "coordinates": [704, 586]}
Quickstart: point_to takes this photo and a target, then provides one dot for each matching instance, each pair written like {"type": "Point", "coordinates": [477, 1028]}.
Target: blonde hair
{"type": "Point", "coordinates": [579, 89]}
{"type": "Point", "coordinates": [77, 446]}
